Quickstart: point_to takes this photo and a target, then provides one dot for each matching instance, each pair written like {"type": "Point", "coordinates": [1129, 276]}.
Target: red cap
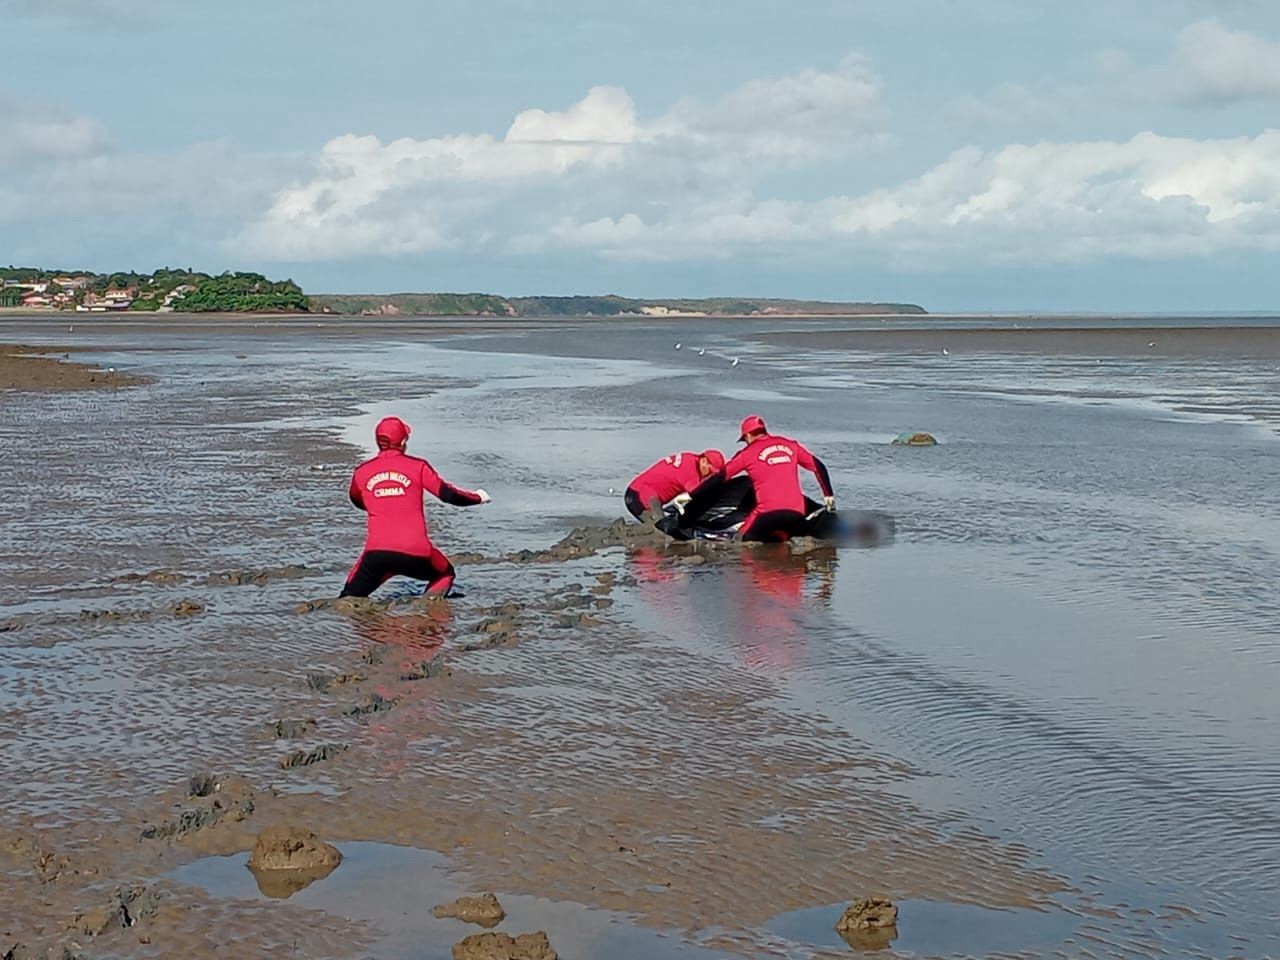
{"type": "Point", "coordinates": [391, 432]}
{"type": "Point", "coordinates": [715, 458]}
{"type": "Point", "coordinates": [751, 424]}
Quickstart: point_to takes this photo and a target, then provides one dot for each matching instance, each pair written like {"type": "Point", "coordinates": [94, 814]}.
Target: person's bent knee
{"type": "Point", "coordinates": [635, 506]}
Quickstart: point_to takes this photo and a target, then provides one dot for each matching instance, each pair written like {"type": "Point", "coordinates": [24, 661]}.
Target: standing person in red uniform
{"type": "Point", "coordinates": [389, 488]}
{"type": "Point", "coordinates": [669, 478]}
{"type": "Point", "coordinates": [773, 463]}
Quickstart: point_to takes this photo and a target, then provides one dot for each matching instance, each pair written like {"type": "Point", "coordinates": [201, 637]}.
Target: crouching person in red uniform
{"type": "Point", "coordinates": [669, 479]}
{"type": "Point", "coordinates": [773, 463]}
{"type": "Point", "coordinates": [389, 488]}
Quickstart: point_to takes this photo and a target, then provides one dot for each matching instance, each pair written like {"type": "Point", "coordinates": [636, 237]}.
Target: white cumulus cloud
{"type": "Point", "coordinates": [1147, 197]}
{"type": "Point", "coordinates": [1215, 64]}
{"type": "Point", "coordinates": [581, 164]}
{"type": "Point", "coordinates": [40, 133]}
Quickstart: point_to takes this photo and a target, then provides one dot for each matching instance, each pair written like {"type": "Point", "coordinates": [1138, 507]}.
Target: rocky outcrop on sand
{"type": "Point", "coordinates": [260, 577]}
{"type": "Point", "coordinates": [484, 910]}
{"type": "Point", "coordinates": [125, 907]}
{"type": "Point", "coordinates": [290, 847]}
{"type": "Point", "coordinates": [870, 923]}
{"type": "Point", "coordinates": [287, 858]}
{"type": "Point", "coordinates": [20, 951]}
{"type": "Point", "coordinates": [500, 946]}
{"type": "Point", "coordinates": [228, 799]}
{"type": "Point", "coordinates": [915, 440]}
{"type": "Point", "coordinates": [30, 851]}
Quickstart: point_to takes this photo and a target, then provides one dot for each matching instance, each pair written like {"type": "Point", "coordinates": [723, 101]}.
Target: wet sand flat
{"type": "Point", "coordinates": [24, 368]}
{"type": "Point", "coordinates": [693, 741]}
{"type": "Point", "coordinates": [1042, 337]}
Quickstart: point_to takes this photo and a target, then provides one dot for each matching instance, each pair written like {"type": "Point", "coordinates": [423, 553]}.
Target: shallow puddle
{"type": "Point", "coordinates": [930, 929]}
{"type": "Point", "coordinates": [394, 889]}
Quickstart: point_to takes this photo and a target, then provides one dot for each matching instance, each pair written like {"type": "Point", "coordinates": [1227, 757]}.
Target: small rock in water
{"type": "Point", "coordinates": [484, 910]}
{"type": "Point", "coordinates": [870, 923]}
{"type": "Point", "coordinates": [287, 858]}
{"type": "Point", "coordinates": [500, 946]}
{"type": "Point", "coordinates": [915, 440]}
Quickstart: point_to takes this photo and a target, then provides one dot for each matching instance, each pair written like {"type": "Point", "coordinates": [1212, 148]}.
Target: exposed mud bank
{"type": "Point", "coordinates": [29, 369]}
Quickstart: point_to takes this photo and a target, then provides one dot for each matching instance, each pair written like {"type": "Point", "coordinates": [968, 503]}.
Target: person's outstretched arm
{"type": "Point", "coordinates": [446, 492]}
{"type": "Point", "coordinates": [819, 469]}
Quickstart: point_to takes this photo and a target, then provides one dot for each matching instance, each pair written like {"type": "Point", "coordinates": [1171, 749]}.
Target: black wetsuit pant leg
{"type": "Point", "coordinates": [634, 506]}
{"type": "Point", "coordinates": [376, 567]}
{"type": "Point", "coordinates": [775, 525]}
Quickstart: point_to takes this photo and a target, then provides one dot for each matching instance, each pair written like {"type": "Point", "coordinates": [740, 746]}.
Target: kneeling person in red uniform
{"type": "Point", "coordinates": [670, 478]}
{"type": "Point", "coordinates": [773, 463]}
{"type": "Point", "coordinates": [389, 488]}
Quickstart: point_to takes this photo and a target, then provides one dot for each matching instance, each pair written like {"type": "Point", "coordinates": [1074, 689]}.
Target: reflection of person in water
{"type": "Point", "coordinates": [769, 603]}
{"type": "Point", "coordinates": [763, 592]}
{"type": "Point", "coordinates": [414, 639]}
{"type": "Point", "coordinates": [417, 635]}
{"type": "Point", "coordinates": [666, 590]}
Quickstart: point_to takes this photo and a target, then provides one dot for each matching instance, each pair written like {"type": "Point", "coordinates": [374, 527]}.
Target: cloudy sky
{"type": "Point", "coordinates": [1001, 154]}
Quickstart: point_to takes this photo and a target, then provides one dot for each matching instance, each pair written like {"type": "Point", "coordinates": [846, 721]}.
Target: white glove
{"type": "Point", "coordinates": [830, 504]}
{"type": "Point", "coordinates": [681, 501]}
{"type": "Point", "coordinates": [484, 497]}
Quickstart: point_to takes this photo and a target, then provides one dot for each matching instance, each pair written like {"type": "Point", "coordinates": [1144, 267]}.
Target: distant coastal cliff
{"type": "Point", "coordinates": [490, 305]}
{"type": "Point", "coordinates": [190, 291]}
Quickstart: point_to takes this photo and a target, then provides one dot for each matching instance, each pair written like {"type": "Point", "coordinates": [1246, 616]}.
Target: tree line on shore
{"type": "Point", "coordinates": [188, 290]}
{"type": "Point", "coordinates": [183, 290]}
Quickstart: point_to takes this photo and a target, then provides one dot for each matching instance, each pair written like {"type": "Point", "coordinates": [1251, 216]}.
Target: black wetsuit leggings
{"type": "Point", "coordinates": [634, 505]}
{"type": "Point", "coordinates": [376, 567]}
{"type": "Point", "coordinates": [777, 525]}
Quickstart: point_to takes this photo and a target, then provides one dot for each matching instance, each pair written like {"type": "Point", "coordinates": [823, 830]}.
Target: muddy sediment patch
{"type": "Point", "coordinates": [374, 703]}
{"type": "Point", "coordinates": [291, 729]}
{"type": "Point", "coordinates": [426, 670]}
{"type": "Point", "coordinates": [30, 369]}
{"type": "Point", "coordinates": [125, 907]}
{"type": "Point", "coordinates": [261, 576]}
{"type": "Point", "coordinates": [307, 758]}
{"type": "Point", "coordinates": [324, 682]}
{"type": "Point", "coordinates": [229, 799]}
{"type": "Point", "coordinates": [248, 576]}
{"type": "Point", "coordinates": [108, 615]}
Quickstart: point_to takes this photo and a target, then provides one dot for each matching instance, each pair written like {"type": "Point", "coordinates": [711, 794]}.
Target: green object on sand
{"type": "Point", "coordinates": [910, 439]}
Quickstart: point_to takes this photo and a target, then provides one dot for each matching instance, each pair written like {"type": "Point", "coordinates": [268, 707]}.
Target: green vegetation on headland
{"type": "Point", "coordinates": [190, 291]}
{"type": "Point", "coordinates": [489, 305]}
{"type": "Point", "coordinates": [165, 290]}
